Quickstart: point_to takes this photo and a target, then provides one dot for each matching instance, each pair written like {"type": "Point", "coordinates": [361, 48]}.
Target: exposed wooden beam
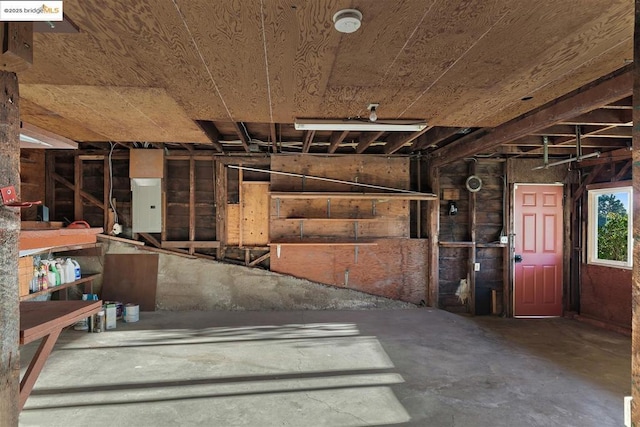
{"type": "Point", "coordinates": [149, 238]}
{"type": "Point", "coordinates": [274, 137]}
{"type": "Point", "coordinates": [433, 137]}
{"type": "Point", "coordinates": [192, 202]}
{"type": "Point", "coordinates": [187, 147]}
{"type": "Point", "coordinates": [82, 193]}
{"type": "Point", "coordinates": [580, 102]}
{"type": "Point", "coordinates": [635, 275]}
{"type": "Point", "coordinates": [244, 139]}
{"type": "Point", "coordinates": [623, 171]}
{"type": "Point", "coordinates": [211, 244]}
{"type": "Point", "coordinates": [602, 117]}
{"type": "Point", "coordinates": [211, 131]}
{"type": "Point", "coordinates": [608, 157]}
{"type": "Point", "coordinates": [259, 259]}
{"type": "Point", "coordinates": [397, 140]}
{"type": "Point", "coordinates": [16, 46]}
{"type": "Point", "coordinates": [336, 139]}
{"type": "Point", "coordinates": [590, 178]}
{"type": "Point", "coordinates": [308, 140]}
{"type": "Point", "coordinates": [366, 139]}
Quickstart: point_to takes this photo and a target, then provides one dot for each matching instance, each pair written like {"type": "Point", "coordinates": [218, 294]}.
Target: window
{"type": "Point", "coordinates": [610, 227]}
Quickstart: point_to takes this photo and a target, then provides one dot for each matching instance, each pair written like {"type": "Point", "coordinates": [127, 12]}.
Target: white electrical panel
{"type": "Point", "coordinates": [146, 205]}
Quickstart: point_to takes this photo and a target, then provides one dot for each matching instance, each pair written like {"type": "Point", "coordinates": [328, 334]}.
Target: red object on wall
{"type": "Point", "coordinates": [9, 198]}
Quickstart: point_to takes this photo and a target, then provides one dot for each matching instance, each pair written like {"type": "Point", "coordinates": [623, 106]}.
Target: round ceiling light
{"type": "Point", "coordinates": [347, 20]}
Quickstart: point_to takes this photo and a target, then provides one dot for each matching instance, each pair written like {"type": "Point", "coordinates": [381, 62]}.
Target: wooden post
{"type": "Point", "coordinates": [9, 236]}
{"type": "Point", "coordinates": [635, 289]}
{"type": "Point", "coordinates": [78, 211]}
{"type": "Point", "coordinates": [50, 184]}
{"type": "Point", "coordinates": [472, 250]}
{"type": "Point", "coordinates": [192, 203]}
{"type": "Point", "coordinates": [221, 207]}
{"type": "Point", "coordinates": [433, 282]}
{"type": "Point", "coordinates": [507, 253]}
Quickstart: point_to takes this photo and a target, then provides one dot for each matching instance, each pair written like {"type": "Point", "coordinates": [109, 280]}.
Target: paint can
{"type": "Point", "coordinates": [131, 313]}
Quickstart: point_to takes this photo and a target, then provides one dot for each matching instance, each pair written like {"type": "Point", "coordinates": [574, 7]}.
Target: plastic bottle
{"type": "Point", "coordinates": [61, 272]}
{"type": "Point", "coordinates": [69, 270]}
{"type": "Point", "coordinates": [35, 281]}
{"type": "Point", "coordinates": [77, 273]}
{"type": "Point", "coordinates": [45, 275]}
{"type": "Point", "coordinates": [56, 273]}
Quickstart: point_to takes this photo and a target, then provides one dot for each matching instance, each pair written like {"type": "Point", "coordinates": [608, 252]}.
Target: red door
{"type": "Point", "coordinates": [538, 250]}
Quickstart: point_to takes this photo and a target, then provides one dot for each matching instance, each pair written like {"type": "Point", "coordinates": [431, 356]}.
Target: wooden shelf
{"type": "Point", "coordinates": [347, 195]}
{"type": "Point", "coordinates": [320, 219]}
{"type": "Point", "coordinates": [84, 279]}
{"type": "Point", "coordinates": [325, 242]}
{"type": "Point", "coordinates": [491, 245]}
{"type": "Point", "coordinates": [67, 248]}
{"type": "Point", "coordinates": [457, 244]}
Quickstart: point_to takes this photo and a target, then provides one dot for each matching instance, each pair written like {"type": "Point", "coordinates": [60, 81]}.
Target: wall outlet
{"type": "Point", "coordinates": [476, 266]}
{"type": "Point", "coordinates": [504, 239]}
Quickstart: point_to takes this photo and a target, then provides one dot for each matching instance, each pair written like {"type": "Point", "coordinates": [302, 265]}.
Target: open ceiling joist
{"type": "Point", "coordinates": [336, 139]}
{"type": "Point", "coordinates": [212, 133]}
{"type": "Point", "coordinates": [366, 139]}
{"type": "Point", "coordinates": [580, 102]}
{"type": "Point", "coordinates": [244, 138]}
{"type": "Point", "coordinates": [398, 140]}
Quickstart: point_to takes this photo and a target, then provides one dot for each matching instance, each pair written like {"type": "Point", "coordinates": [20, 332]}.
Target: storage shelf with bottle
{"type": "Point", "coordinates": [41, 276]}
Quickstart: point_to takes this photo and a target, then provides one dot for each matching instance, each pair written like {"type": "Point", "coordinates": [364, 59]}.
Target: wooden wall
{"type": "Point", "coordinates": [32, 178]}
{"type": "Point", "coordinates": [320, 236]}
{"type": "Point", "coordinates": [606, 294]}
{"type": "Point", "coordinates": [472, 235]}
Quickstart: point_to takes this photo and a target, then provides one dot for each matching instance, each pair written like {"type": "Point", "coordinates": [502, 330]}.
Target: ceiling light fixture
{"type": "Point", "coordinates": [360, 125]}
{"type": "Point", "coordinates": [373, 116]}
{"type": "Point", "coordinates": [347, 20]}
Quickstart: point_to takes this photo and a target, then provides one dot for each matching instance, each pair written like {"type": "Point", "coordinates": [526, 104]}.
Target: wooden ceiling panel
{"type": "Point", "coordinates": [528, 50]}
{"type": "Point", "coordinates": [37, 115]}
{"type": "Point", "coordinates": [118, 113]}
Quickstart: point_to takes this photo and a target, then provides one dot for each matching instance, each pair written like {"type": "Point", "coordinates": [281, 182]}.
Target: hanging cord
{"type": "Point", "coordinates": [113, 208]}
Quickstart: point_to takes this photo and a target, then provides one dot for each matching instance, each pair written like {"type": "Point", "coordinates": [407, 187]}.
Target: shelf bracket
{"type": "Point", "coordinates": [328, 208]}
{"type": "Point", "coordinates": [355, 253]}
{"type": "Point", "coordinates": [278, 208]}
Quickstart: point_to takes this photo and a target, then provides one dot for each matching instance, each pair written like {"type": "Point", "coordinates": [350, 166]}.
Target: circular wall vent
{"type": "Point", "coordinates": [347, 20]}
{"type": "Point", "coordinates": [474, 183]}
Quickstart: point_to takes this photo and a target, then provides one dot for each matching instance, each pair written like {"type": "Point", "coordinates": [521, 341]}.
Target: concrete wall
{"type": "Point", "coordinates": [197, 284]}
{"type": "Point", "coordinates": [606, 295]}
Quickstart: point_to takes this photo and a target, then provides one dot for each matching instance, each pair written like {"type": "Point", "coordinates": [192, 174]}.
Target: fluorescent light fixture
{"type": "Point", "coordinates": [360, 125]}
{"type": "Point", "coordinates": [34, 137]}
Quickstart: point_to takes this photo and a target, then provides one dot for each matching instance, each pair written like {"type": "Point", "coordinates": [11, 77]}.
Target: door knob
{"type": "Point", "coordinates": [517, 258]}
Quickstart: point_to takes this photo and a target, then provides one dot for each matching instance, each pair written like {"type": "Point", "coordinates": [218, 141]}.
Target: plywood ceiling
{"type": "Point", "coordinates": [144, 70]}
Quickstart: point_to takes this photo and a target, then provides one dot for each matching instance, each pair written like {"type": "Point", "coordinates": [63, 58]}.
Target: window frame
{"type": "Point", "coordinates": [593, 192]}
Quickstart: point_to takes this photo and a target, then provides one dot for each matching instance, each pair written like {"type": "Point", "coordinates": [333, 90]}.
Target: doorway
{"type": "Point", "coordinates": [538, 244]}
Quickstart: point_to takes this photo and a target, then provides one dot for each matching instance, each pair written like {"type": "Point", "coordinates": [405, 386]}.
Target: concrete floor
{"type": "Point", "coordinates": [417, 367]}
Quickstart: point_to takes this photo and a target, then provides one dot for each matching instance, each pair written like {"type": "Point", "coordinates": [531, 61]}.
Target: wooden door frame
{"type": "Point", "coordinates": [512, 242]}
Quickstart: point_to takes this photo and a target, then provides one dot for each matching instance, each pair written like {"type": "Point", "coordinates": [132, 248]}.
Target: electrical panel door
{"type": "Point", "coordinates": [147, 205]}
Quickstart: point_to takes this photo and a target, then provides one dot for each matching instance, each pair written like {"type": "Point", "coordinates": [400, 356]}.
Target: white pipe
{"type": "Point", "coordinates": [569, 160]}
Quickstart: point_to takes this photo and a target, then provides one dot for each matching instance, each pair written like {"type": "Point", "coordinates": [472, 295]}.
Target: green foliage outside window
{"type": "Point", "coordinates": [613, 222]}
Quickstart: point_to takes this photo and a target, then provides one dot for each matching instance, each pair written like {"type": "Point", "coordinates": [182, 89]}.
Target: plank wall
{"type": "Point", "coordinates": [395, 267]}
{"type": "Point", "coordinates": [481, 219]}
{"type": "Point", "coordinates": [32, 175]}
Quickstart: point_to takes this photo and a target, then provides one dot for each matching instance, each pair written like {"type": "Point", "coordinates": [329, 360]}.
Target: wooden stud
{"type": "Point", "coordinates": [36, 365]}
{"type": "Point", "coordinates": [433, 282]}
{"type": "Point", "coordinates": [78, 210]}
{"type": "Point", "coordinates": [82, 193]}
{"type": "Point", "coordinates": [221, 206]}
{"type": "Point", "coordinates": [433, 137]}
{"type": "Point", "coordinates": [472, 250]}
{"type": "Point", "coordinates": [149, 238]}
{"type": "Point", "coordinates": [622, 172]}
{"type": "Point", "coordinates": [274, 137]}
{"type": "Point", "coordinates": [507, 254]}
{"type": "Point", "coordinates": [259, 259]}
{"type": "Point", "coordinates": [50, 183]}
{"type": "Point", "coordinates": [241, 215]}
{"type": "Point", "coordinates": [106, 183]}
{"type": "Point", "coordinates": [9, 235]}
{"type": "Point", "coordinates": [192, 202]}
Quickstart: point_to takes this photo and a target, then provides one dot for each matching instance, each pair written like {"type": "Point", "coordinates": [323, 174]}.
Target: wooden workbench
{"type": "Point", "coordinates": [46, 320]}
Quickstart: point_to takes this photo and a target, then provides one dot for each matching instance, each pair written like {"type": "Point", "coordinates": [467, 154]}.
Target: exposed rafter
{"type": "Point", "coordinates": [366, 139]}
{"type": "Point", "coordinates": [308, 140]}
{"type": "Point", "coordinates": [397, 140]}
{"type": "Point", "coordinates": [433, 137]}
{"type": "Point", "coordinates": [582, 101]}
{"type": "Point", "coordinates": [274, 136]}
{"type": "Point", "coordinates": [244, 138]}
{"type": "Point", "coordinates": [336, 139]}
{"type": "Point", "coordinates": [212, 133]}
